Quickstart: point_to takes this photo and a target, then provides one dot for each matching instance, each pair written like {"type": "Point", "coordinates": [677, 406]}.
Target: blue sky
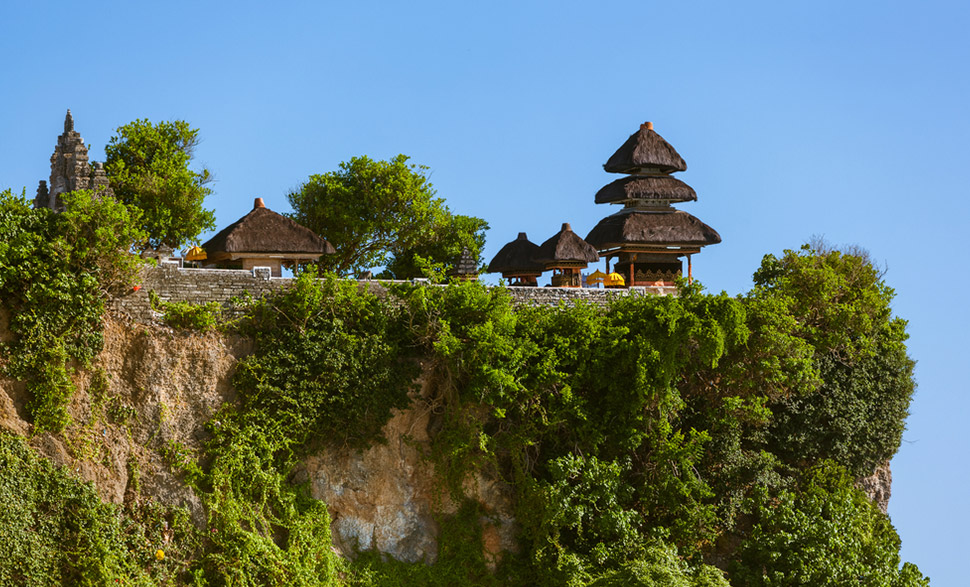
{"type": "Point", "coordinates": [842, 119]}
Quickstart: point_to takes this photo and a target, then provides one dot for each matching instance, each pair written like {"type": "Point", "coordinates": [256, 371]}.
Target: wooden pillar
{"type": "Point", "coordinates": [690, 273]}
{"type": "Point", "coordinates": [630, 283]}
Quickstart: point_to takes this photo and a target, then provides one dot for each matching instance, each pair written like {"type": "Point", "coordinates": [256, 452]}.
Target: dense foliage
{"type": "Point", "coordinates": [824, 533]}
{"type": "Point", "coordinates": [54, 530]}
{"type": "Point", "coordinates": [56, 272]}
{"type": "Point", "coordinates": [678, 425]}
{"type": "Point", "coordinates": [148, 165]}
{"type": "Point", "coordinates": [697, 440]}
{"type": "Point", "coordinates": [327, 370]}
{"type": "Point", "coordinates": [378, 213]}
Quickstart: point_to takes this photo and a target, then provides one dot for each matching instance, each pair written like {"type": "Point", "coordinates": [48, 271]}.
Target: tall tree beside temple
{"type": "Point", "coordinates": [384, 213]}
{"type": "Point", "coordinates": [148, 165]}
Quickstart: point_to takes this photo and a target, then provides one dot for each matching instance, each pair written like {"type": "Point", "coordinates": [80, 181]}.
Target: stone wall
{"type": "Point", "coordinates": [199, 286]}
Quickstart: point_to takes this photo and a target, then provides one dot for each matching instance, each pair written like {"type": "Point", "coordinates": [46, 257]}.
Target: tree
{"type": "Point", "coordinates": [444, 245]}
{"type": "Point", "coordinates": [148, 165]}
{"type": "Point", "coordinates": [825, 533]}
{"type": "Point", "coordinates": [856, 415]}
{"type": "Point", "coordinates": [382, 213]}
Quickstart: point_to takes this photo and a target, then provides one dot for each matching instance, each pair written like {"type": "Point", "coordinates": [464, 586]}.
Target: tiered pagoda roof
{"type": "Point", "coordinates": [648, 236]}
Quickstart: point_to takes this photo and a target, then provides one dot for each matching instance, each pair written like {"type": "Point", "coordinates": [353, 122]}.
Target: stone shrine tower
{"type": "Point", "coordinates": [70, 170]}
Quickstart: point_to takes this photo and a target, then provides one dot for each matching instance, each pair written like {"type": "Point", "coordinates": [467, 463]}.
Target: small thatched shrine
{"type": "Point", "coordinates": [264, 238]}
{"type": "Point", "coordinates": [648, 236]}
{"type": "Point", "coordinates": [566, 254]}
{"type": "Point", "coordinates": [466, 269]}
{"type": "Point", "coordinates": [516, 261]}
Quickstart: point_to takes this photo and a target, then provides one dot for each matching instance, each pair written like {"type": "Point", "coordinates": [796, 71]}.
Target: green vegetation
{"type": "Point", "coordinates": [56, 272]}
{"type": "Point", "coordinates": [148, 165]}
{"type": "Point", "coordinates": [698, 440]}
{"type": "Point", "coordinates": [55, 530]}
{"type": "Point", "coordinates": [824, 533]}
{"type": "Point", "coordinates": [378, 213]}
{"type": "Point", "coordinates": [188, 316]}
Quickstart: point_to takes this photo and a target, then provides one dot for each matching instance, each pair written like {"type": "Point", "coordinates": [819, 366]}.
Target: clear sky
{"type": "Point", "coordinates": [795, 119]}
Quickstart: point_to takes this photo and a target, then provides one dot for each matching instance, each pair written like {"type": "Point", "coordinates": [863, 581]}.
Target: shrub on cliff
{"type": "Point", "coordinates": [56, 272]}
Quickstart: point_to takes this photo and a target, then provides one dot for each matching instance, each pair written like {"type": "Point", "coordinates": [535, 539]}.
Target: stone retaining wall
{"type": "Point", "coordinates": [199, 286]}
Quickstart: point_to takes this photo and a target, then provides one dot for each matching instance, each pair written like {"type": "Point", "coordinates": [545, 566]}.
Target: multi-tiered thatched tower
{"type": "Point", "coordinates": [648, 237]}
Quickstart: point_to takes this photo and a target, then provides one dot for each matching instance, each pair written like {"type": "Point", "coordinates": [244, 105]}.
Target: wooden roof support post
{"type": "Point", "coordinates": [690, 275]}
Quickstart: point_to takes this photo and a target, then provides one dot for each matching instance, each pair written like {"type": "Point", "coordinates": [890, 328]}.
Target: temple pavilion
{"type": "Point", "coordinates": [516, 261]}
{"type": "Point", "coordinates": [566, 254]}
{"type": "Point", "coordinates": [263, 238]}
{"type": "Point", "coordinates": [648, 237]}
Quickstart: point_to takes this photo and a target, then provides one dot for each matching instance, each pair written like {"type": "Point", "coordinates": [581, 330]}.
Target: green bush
{"type": "Point", "coordinates": [824, 533]}
{"type": "Point", "coordinates": [55, 530]}
{"type": "Point", "coordinates": [56, 271]}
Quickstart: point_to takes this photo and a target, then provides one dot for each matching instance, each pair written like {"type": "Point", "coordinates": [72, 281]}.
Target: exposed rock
{"type": "Point", "coordinates": [878, 486]}
{"type": "Point", "coordinates": [163, 385]}
{"type": "Point", "coordinates": [387, 498]}
{"type": "Point", "coordinates": [381, 498]}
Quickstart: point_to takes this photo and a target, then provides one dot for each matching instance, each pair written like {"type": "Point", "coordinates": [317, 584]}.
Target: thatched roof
{"type": "Point", "coordinates": [669, 228]}
{"type": "Point", "coordinates": [659, 188]}
{"type": "Point", "coordinates": [645, 148]}
{"type": "Point", "coordinates": [566, 247]}
{"type": "Point", "coordinates": [518, 256]}
{"type": "Point", "coordinates": [265, 231]}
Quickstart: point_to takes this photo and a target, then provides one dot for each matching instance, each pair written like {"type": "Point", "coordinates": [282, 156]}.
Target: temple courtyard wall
{"type": "Point", "coordinates": [172, 283]}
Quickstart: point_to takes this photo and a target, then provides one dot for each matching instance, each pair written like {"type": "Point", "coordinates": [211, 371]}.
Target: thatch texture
{"type": "Point", "coordinates": [648, 188]}
{"type": "Point", "coordinates": [265, 231]}
{"type": "Point", "coordinates": [645, 148]}
{"type": "Point", "coordinates": [518, 256]}
{"type": "Point", "coordinates": [668, 228]}
{"type": "Point", "coordinates": [566, 247]}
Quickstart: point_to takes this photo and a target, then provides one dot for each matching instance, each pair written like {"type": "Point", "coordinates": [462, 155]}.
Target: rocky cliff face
{"type": "Point", "coordinates": [152, 389]}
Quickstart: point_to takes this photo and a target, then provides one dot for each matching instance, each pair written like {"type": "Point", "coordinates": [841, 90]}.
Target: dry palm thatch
{"type": "Point", "coordinates": [265, 231]}
{"type": "Point", "coordinates": [646, 188]}
{"type": "Point", "coordinates": [668, 228]}
{"type": "Point", "coordinates": [566, 247]}
{"type": "Point", "coordinates": [645, 149]}
{"type": "Point", "coordinates": [517, 256]}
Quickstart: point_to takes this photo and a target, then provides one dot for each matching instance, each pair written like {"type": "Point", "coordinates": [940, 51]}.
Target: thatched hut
{"type": "Point", "coordinates": [648, 237]}
{"type": "Point", "coordinates": [516, 261]}
{"type": "Point", "coordinates": [566, 254]}
{"type": "Point", "coordinates": [264, 238]}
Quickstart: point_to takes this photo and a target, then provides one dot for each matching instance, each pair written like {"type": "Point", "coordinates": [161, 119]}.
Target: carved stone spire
{"type": "Point", "coordinates": [69, 165]}
{"type": "Point", "coordinates": [70, 170]}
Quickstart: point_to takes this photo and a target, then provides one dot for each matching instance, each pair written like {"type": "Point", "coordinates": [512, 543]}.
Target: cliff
{"type": "Point", "coordinates": [327, 429]}
{"type": "Point", "coordinates": [163, 385]}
